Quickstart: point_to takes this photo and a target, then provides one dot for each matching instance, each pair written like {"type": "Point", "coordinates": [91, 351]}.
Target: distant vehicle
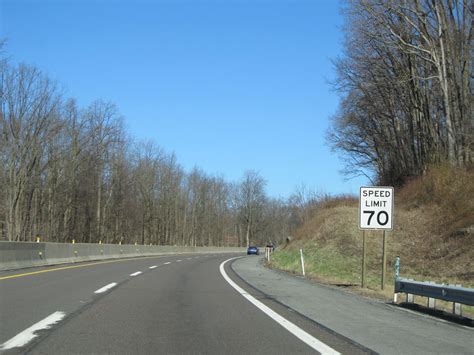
{"type": "Point", "coordinates": [252, 250]}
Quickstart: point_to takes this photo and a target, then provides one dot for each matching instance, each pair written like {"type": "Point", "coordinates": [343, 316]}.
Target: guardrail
{"type": "Point", "coordinates": [451, 293]}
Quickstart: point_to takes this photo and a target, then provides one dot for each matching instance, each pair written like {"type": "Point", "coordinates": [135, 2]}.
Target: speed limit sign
{"type": "Point", "coordinates": [376, 208]}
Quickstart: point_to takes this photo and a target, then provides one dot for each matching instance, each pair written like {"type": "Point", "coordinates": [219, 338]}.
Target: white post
{"type": "Point", "coordinates": [302, 261]}
{"type": "Point", "coordinates": [457, 310]}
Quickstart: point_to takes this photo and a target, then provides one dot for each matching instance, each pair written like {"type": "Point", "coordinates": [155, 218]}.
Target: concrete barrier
{"type": "Point", "coordinates": [18, 255]}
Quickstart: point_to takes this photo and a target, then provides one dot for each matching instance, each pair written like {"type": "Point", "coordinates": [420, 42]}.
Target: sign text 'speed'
{"type": "Point", "coordinates": [377, 193]}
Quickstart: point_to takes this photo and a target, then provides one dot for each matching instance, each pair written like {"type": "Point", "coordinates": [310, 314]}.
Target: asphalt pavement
{"type": "Point", "coordinates": [201, 304]}
{"type": "Point", "coordinates": [164, 305]}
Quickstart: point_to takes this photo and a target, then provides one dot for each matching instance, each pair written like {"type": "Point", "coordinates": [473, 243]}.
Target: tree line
{"type": "Point", "coordinates": [406, 82]}
{"type": "Point", "coordinates": [74, 173]}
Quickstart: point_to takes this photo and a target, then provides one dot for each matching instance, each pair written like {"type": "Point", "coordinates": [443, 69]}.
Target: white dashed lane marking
{"type": "Point", "coordinates": [28, 334]}
{"type": "Point", "coordinates": [106, 287]}
{"type": "Point", "coordinates": [136, 273]}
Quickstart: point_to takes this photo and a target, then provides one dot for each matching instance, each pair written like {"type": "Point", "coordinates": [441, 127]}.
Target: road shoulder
{"type": "Point", "coordinates": [371, 323]}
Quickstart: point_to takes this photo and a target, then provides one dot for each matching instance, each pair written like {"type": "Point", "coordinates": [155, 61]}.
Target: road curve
{"type": "Point", "coordinates": [169, 305]}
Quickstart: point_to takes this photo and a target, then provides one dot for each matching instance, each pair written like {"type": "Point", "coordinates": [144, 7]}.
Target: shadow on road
{"type": "Point", "coordinates": [438, 314]}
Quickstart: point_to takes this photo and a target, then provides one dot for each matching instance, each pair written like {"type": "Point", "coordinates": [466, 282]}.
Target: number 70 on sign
{"type": "Point", "coordinates": [376, 207]}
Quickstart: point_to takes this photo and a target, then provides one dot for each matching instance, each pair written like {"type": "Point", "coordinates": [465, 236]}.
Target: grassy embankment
{"type": "Point", "coordinates": [433, 235]}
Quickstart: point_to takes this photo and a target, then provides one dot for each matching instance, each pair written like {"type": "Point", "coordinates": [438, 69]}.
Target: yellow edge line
{"type": "Point", "coordinates": [74, 267]}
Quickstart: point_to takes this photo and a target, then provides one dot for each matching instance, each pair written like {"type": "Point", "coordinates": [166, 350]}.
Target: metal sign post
{"type": "Point", "coordinates": [375, 213]}
{"type": "Point", "coordinates": [364, 252]}
{"type": "Point", "coordinates": [384, 260]}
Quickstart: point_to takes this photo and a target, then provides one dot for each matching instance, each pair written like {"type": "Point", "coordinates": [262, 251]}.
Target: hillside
{"type": "Point", "coordinates": [433, 235]}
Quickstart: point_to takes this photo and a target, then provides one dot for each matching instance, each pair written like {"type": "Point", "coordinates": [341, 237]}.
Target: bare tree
{"type": "Point", "coordinates": [404, 81]}
{"type": "Point", "coordinates": [29, 112]}
{"type": "Point", "coordinates": [251, 201]}
{"type": "Point", "coordinates": [104, 126]}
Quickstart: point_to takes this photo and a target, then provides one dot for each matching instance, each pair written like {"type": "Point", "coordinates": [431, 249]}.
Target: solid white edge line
{"type": "Point", "coordinates": [23, 338]}
{"type": "Point", "coordinates": [136, 273]}
{"type": "Point", "coordinates": [106, 287]}
{"type": "Point", "coordinates": [291, 327]}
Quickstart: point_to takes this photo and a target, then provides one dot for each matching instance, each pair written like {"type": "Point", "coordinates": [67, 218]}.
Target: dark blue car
{"type": "Point", "coordinates": [252, 250]}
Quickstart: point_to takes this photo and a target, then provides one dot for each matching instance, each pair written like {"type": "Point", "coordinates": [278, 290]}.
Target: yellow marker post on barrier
{"type": "Point", "coordinates": [74, 241]}
{"type": "Point", "coordinates": [38, 239]}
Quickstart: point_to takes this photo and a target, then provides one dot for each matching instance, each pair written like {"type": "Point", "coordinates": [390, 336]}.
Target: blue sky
{"type": "Point", "coordinates": [228, 85]}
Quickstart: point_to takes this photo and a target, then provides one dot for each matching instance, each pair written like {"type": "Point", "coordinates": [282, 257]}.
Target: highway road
{"type": "Point", "coordinates": [182, 304]}
{"type": "Point", "coordinates": [198, 304]}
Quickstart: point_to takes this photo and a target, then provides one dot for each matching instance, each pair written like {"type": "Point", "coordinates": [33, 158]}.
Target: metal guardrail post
{"type": "Point", "coordinates": [457, 308]}
{"type": "Point", "coordinates": [431, 302]}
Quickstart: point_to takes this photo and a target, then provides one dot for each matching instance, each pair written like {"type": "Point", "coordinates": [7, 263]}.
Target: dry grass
{"type": "Point", "coordinates": [449, 191]}
{"type": "Point", "coordinates": [433, 236]}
